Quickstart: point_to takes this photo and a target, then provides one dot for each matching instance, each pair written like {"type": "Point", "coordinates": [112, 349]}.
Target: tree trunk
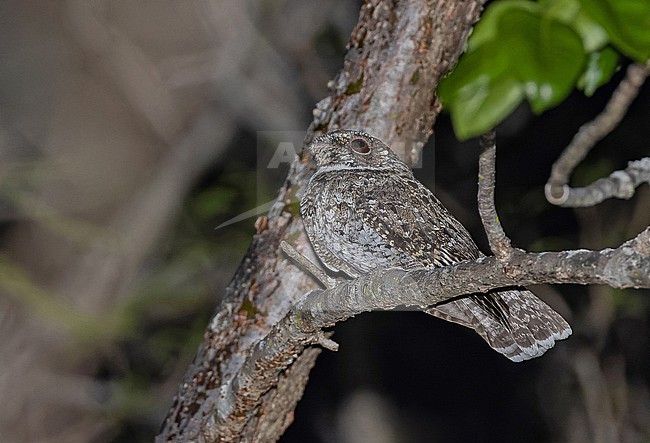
{"type": "Point", "coordinates": [397, 53]}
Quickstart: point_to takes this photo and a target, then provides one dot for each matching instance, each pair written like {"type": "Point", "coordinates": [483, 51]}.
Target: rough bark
{"type": "Point", "coordinates": [397, 54]}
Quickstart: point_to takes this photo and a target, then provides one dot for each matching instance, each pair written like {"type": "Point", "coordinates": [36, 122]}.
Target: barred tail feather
{"type": "Point", "coordinates": [513, 322]}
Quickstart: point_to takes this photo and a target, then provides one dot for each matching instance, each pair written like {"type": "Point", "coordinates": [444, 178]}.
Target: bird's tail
{"type": "Point", "coordinates": [513, 322]}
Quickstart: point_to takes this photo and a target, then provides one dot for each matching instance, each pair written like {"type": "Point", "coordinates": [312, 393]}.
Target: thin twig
{"type": "Point", "coordinates": [303, 261]}
{"type": "Point", "coordinates": [499, 241]}
{"type": "Point", "coordinates": [620, 184]}
{"type": "Point", "coordinates": [557, 189]}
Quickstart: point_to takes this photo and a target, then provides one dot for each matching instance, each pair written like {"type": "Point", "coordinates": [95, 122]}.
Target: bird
{"type": "Point", "coordinates": [363, 209]}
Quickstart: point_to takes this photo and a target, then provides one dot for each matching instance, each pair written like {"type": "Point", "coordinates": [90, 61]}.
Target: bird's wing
{"type": "Point", "coordinates": [410, 218]}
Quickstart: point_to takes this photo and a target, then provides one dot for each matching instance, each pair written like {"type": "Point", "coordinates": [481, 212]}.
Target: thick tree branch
{"type": "Point", "coordinates": [620, 184]}
{"type": "Point", "coordinates": [398, 52]}
{"type": "Point", "coordinates": [627, 266]}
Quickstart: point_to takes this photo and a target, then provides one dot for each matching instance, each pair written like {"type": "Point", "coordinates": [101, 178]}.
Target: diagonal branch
{"type": "Point", "coordinates": [627, 266]}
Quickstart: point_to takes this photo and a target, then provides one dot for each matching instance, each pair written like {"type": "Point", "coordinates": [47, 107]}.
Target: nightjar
{"type": "Point", "coordinates": [364, 209]}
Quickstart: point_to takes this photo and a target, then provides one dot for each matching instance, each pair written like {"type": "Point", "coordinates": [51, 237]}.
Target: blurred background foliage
{"type": "Point", "coordinates": [129, 131]}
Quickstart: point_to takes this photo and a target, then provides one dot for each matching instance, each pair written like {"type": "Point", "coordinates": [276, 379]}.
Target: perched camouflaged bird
{"type": "Point", "coordinates": [364, 209]}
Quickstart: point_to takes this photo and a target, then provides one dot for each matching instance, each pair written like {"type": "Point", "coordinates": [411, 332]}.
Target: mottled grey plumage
{"type": "Point", "coordinates": [364, 209]}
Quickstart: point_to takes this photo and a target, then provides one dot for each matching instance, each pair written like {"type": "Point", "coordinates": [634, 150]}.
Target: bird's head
{"type": "Point", "coordinates": [352, 149]}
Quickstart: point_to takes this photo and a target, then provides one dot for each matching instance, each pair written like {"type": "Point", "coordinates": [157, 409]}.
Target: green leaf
{"type": "Point", "coordinates": [570, 13]}
{"type": "Point", "coordinates": [483, 103]}
{"type": "Point", "coordinates": [488, 28]}
{"type": "Point", "coordinates": [551, 58]}
{"type": "Point", "coordinates": [467, 77]}
{"type": "Point", "coordinates": [594, 36]}
{"type": "Point", "coordinates": [601, 66]}
{"type": "Point", "coordinates": [520, 53]}
{"type": "Point", "coordinates": [480, 92]}
{"type": "Point", "coordinates": [626, 21]}
{"type": "Point", "coordinates": [564, 10]}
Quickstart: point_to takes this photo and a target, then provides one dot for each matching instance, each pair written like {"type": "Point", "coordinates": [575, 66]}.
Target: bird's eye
{"type": "Point", "coordinates": [360, 145]}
